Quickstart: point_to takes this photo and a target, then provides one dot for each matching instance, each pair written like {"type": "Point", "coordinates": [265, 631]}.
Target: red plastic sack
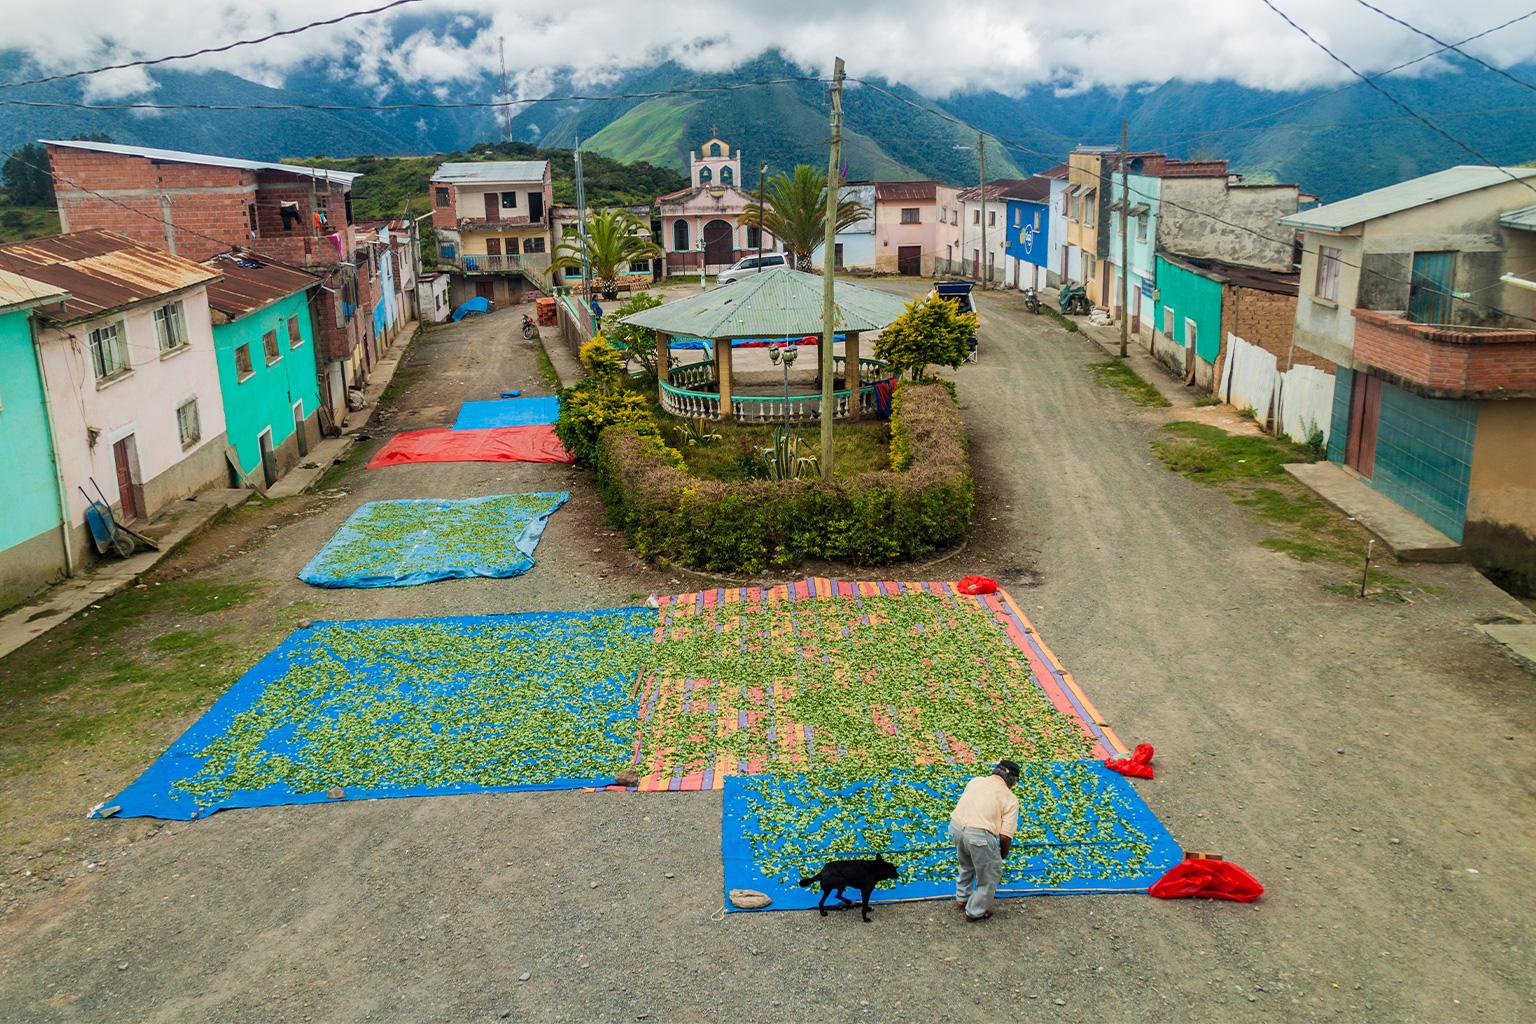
{"type": "Point", "coordinates": [1209, 879]}
{"type": "Point", "coordinates": [1137, 766]}
{"type": "Point", "coordinates": [494, 444]}
{"type": "Point", "coordinates": [977, 585]}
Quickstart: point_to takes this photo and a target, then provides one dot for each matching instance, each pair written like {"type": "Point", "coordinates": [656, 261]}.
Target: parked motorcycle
{"type": "Point", "coordinates": [1031, 300]}
{"type": "Point", "coordinates": [530, 328]}
{"type": "Point", "coordinates": [1073, 299]}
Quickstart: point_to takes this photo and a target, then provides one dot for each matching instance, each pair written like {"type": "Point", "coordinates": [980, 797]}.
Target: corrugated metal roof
{"type": "Point", "coordinates": [1279, 282]}
{"type": "Point", "coordinates": [17, 291]}
{"type": "Point", "coordinates": [173, 156]}
{"type": "Point", "coordinates": [102, 271]}
{"type": "Point", "coordinates": [773, 304]}
{"type": "Point", "coordinates": [897, 191]}
{"type": "Point", "coordinates": [246, 288]}
{"type": "Point", "coordinates": [1523, 219]}
{"type": "Point", "coordinates": [1405, 195]}
{"type": "Point", "coordinates": [491, 171]}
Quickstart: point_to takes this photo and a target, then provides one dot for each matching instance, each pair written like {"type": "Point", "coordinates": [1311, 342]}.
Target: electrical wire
{"type": "Point", "coordinates": [211, 49]}
{"type": "Point", "coordinates": [1322, 125]}
{"type": "Point", "coordinates": [1445, 45]}
{"type": "Point", "coordinates": [1399, 103]}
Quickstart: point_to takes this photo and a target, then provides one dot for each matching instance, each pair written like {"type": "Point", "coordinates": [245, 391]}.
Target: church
{"type": "Point", "coordinates": [701, 224]}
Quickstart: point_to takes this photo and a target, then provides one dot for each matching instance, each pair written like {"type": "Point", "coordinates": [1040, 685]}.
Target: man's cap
{"type": "Point", "coordinates": [1010, 768]}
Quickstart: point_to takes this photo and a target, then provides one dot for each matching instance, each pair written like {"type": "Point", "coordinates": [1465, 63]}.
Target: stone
{"type": "Point", "coordinates": [336, 794]}
{"type": "Point", "coordinates": [627, 777]}
{"type": "Point", "coordinates": [524, 976]}
{"type": "Point", "coordinates": [749, 899]}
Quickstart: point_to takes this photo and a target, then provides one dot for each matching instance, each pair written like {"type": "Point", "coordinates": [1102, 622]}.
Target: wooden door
{"type": "Point", "coordinates": [718, 248]}
{"type": "Point", "coordinates": [1364, 421]}
{"type": "Point", "coordinates": [485, 290]}
{"type": "Point", "coordinates": [493, 247]}
{"type": "Point", "coordinates": [909, 260]}
{"type": "Point", "coordinates": [122, 459]}
{"type": "Point", "coordinates": [493, 206]}
{"type": "Point", "coordinates": [1429, 292]}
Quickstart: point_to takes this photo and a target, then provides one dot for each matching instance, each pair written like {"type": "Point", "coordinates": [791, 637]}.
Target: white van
{"type": "Point", "coordinates": [749, 265]}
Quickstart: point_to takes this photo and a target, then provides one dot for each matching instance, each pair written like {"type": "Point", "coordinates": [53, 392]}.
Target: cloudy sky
{"type": "Point", "coordinates": [935, 47]}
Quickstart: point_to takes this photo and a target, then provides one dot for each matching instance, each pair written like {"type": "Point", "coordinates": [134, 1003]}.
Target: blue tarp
{"type": "Point", "coordinates": [411, 707]}
{"type": "Point", "coordinates": [1082, 829]}
{"type": "Point", "coordinates": [407, 542]}
{"type": "Point", "coordinates": [745, 342]}
{"type": "Point", "coordinates": [478, 304]}
{"type": "Point", "coordinates": [508, 412]}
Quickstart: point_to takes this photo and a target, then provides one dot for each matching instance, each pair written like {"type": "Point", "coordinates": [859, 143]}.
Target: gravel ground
{"type": "Point", "coordinates": [1370, 763]}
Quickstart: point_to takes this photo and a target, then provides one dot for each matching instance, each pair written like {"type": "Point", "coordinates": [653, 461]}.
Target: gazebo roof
{"type": "Point", "coordinates": [778, 303]}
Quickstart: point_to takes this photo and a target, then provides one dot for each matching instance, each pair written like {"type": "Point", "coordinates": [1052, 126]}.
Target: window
{"type": "Point", "coordinates": [509, 200]}
{"type": "Point", "coordinates": [250, 215]}
{"type": "Point", "coordinates": [568, 231]}
{"type": "Point", "coordinates": [837, 256]}
{"type": "Point", "coordinates": [639, 266]}
{"type": "Point", "coordinates": [705, 175]}
{"type": "Point", "coordinates": [975, 216]}
{"type": "Point", "coordinates": [754, 237]}
{"type": "Point", "coordinates": [187, 424]}
{"type": "Point", "coordinates": [727, 176]}
{"type": "Point", "coordinates": [535, 244]}
{"type": "Point", "coordinates": [991, 218]}
{"type": "Point", "coordinates": [1017, 217]}
{"type": "Point", "coordinates": [442, 196]}
{"type": "Point", "coordinates": [714, 149]}
{"type": "Point", "coordinates": [511, 245]}
{"type": "Point", "coordinates": [1074, 206]}
{"type": "Point", "coordinates": [346, 200]}
{"type": "Point", "coordinates": [1327, 273]}
{"type": "Point", "coordinates": [447, 251]}
{"type": "Point", "coordinates": [269, 346]}
{"type": "Point", "coordinates": [1090, 200]}
{"type": "Point", "coordinates": [944, 215]}
{"type": "Point", "coordinates": [109, 357]}
{"type": "Point", "coordinates": [1141, 227]}
{"type": "Point", "coordinates": [1090, 266]}
{"type": "Point", "coordinates": [295, 336]}
{"type": "Point", "coordinates": [1191, 333]}
{"type": "Point", "coordinates": [680, 236]}
{"type": "Point", "coordinates": [171, 327]}
{"type": "Point", "coordinates": [243, 368]}
{"type": "Point", "coordinates": [1168, 321]}
{"type": "Point", "coordinates": [909, 215]}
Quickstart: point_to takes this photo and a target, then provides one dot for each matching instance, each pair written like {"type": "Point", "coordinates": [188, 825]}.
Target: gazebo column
{"type": "Point", "coordinates": [852, 379]}
{"type": "Point", "coordinates": [723, 371]}
{"type": "Point", "coordinates": [663, 366]}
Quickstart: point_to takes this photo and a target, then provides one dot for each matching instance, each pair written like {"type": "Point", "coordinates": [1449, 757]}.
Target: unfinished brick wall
{"type": "Point", "coordinates": [1446, 361]}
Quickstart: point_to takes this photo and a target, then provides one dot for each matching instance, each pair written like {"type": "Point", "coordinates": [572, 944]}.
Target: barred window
{"type": "Point", "coordinates": [909, 215]}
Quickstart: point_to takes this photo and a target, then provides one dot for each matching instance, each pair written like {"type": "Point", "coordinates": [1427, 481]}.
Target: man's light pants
{"type": "Point", "coordinates": [981, 868]}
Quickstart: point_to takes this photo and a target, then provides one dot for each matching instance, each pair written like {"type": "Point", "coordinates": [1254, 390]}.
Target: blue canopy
{"type": "Point", "coordinates": [478, 304]}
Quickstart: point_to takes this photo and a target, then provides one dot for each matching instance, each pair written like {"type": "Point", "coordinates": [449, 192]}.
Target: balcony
{"type": "Point", "coordinates": [508, 219]}
{"type": "Point", "coordinates": [1447, 360]}
{"type": "Point", "coordinates": [532, 264]}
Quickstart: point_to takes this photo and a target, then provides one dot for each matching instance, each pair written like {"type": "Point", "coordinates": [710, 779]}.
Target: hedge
{"type": "Point", "coordinates": [920, 505]}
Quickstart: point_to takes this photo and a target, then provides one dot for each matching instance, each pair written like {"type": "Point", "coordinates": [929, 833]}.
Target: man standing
{"type": "Point", "coordinates": [982, 828]}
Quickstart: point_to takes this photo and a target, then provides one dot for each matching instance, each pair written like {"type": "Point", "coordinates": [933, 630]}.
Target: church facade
{"type": "Point", "coordinates": [701, 224]}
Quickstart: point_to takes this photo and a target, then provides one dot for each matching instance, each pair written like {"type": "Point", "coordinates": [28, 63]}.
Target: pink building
{"type": "Point", "coordinates": [917, 227]}
{"type": "Point", "coordinates": [701, 224]}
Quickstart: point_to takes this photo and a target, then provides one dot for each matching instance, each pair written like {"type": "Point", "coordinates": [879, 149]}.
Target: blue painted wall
{"type": "Point", "coordinates": [1147, 192]}
{"type": "Point", "coordinates": [1028, 235]}
{"type": "Point", "coordinates": [26, 459]}
{"type": "Point", "coordinates": [265, 398]}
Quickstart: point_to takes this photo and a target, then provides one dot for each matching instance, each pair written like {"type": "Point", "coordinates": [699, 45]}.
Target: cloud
{"type": "Point", "coordinates": [936, 48]}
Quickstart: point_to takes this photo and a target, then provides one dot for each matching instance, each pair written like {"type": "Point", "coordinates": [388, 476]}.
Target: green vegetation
{"type": "Point", "coordinates": [794, 210]}
{"type": "Point", "coordinates": [22, 222]}
{"type": "Point", "coordinates": [613, 239]}
{"type": "Point", "coordinates": [1065, 322]}
{"type": "Point", "coordinates": [932, 332]}
{"type": "Point", "coordinates": [1117, 374]}
{"type": "Point", "coordinates": [638, 343]}
{"type": "Point", "coordinates": [1250, 470]}
{"type": "Point", "coordinates": [547, 368]}
{"type": "Point", "coordinates": [394, 185]}
{"type": "Point", "coordinates": [857, 447]}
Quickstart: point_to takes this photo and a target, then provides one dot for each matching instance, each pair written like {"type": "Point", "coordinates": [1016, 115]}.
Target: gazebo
{"type": "Point", "coordinates": [771, 305]}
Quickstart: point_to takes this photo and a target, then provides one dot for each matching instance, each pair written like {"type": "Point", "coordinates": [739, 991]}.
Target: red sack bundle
{"type": "Point", "coordinates": [977, 585]}
{"type": "Point", "coordinates": [1210, 879]}
{"type": "Point", "coordinates": [1137, 766]}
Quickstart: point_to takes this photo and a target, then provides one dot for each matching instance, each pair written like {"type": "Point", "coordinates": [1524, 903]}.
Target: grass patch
{"type": "Point", "coordinates": [1064, 322]}
{"type": "Point", "coordinates": [1206, 401]}
{"type": "Point", "coordinates": [547, 368]}
{"type": "Point", "coordinates": [1118, 375]}
{"type": "Point", "coordinates": [353, 460]}
{"type": "Point", "coordinates": [1212, 456]}
{"type": "Point", "coordinates": [856, 447]}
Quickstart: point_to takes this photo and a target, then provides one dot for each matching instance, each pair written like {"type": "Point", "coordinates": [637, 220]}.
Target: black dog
{"type": "Point", "coordinates": [862, 875]}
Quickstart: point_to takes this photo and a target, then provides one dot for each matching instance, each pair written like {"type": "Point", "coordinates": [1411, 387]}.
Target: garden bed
{"type": "Point", "coordinates": [857, 447]}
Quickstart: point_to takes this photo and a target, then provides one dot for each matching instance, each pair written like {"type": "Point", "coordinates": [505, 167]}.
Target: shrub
{"type": "Point", "coordinates": [932, 331]}
{"type": "Point", "coordinates": [639, 342]}
{"type": "Point", "coordinates": [603, 362]}
{"type": "Point", "coordinates": [867, 519]}
{"type": "Point", "coordinates": [589, 408]}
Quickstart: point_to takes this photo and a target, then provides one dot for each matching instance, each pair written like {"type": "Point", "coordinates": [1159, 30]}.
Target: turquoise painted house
{"type": "Point", "coordinates": [1187, 315]}
{"type": "Point", "coordinates": [1141, 247]}
{"type": "Point", "coordinates": [33, 545]}
{"type": "Point", "coordinates": [264, 337]}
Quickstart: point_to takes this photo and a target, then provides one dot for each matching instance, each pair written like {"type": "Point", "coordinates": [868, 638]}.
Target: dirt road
{"type": "Point", "coordinates": [1370, 763]}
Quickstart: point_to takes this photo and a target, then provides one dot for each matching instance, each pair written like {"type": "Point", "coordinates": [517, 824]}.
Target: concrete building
{"type": "Point", "coordinates": [636, 275]}
{"type": "Point", "coordinates": [917, 227]}
{"type": "Point", "coordinates": [701, 225]}
{"type": "Point", "coordinates": [854, 246]}
{"type": "Point", "coordinates": [989, 210]}
{"type": "Point", "coordinates": [197, 205]}
{"type": "Point", "coordinates": [1035, 235]}
{"type": "Point", "coordinates": [432, 302]}
{"type": "Point", "coordinates": [129, 372]}
{"type": "Point", "coordinates": [34, 548]}
{"type": "Point", "coordinates": [1200, 303]}
{"type": "Point", "coordinates": [1087, 206]}
{"type": "Point", "coordinates": [1420, 292]}
{"type": "Point", "coordinates": [492, 223]}
{"type": "Point", "coordinates": [264, 336]}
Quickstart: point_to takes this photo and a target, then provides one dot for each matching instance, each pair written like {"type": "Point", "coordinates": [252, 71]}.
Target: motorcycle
{"type": "Point", "coordinates": [1031, 300]}
{"type": "Point", "coordinates": [530, 329]}
{"type": "Point", "coordinates": [1073, 299]}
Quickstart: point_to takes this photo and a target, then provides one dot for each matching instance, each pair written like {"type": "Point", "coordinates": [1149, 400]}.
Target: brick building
{"type": "Point", "coordinates": [492, 220]}
{"type": "Point", "coordinates": [197, 205]}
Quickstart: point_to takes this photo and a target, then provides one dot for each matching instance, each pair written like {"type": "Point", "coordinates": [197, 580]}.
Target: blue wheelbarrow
{"type": "Point", "coordinates": [106, 532]}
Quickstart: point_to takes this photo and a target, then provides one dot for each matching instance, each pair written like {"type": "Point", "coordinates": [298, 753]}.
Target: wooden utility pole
{"type": "Point", "coordinates": [981, 163]}
{"type": "Point", "coordinates": [829, 243]}
{"type": "Point", "coordinates": [1125, 245]}
{"type": "Point", "coordinates": [762, 171]}
{"type": "Point", "coordinates": [506, 106]}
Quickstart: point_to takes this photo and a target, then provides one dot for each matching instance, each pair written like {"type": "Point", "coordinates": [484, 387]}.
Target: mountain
{"type": "Point", "coordinates": [1338, 142]}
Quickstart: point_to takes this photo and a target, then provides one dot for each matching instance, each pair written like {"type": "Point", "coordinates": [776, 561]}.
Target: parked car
{"type": "Point", "coordinates": [749, 265]}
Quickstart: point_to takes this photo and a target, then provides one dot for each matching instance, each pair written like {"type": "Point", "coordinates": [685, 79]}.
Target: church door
{"type": "Point", "coordinates": [718, 247]}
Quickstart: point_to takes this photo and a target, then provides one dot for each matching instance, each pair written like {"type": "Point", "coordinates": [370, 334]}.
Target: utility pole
{"type": "Point", "coordinates": [762, 169]}
{"type": "Point", "coordinates": [506, 106]}
{"type": "Point", "coordinates": [828, 304]}
{"type": "Point", "coordinates": [581, 229]}
{"type": "Point", "coordinates": [1125, 245]}
{"type": "Point", "coordinates": [981, 163]}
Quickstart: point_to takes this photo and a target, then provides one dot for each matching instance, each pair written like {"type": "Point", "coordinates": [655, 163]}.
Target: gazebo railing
{"type": "Point", "coordinates": [681, 395]}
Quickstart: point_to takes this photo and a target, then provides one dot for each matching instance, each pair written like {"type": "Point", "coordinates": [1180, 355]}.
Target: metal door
{"type": "Point", "coordinates": [485, 290]}
{"type": "Point", "coordinates": [909, 260]}
{"type": "Point", "coordinates": [1429, 294]}
{"type": "Point", "coordinates": [1364, 419]}
{"type": "Point", "coordinates": [122, 459]}
{"type": "Point", "coordinates": [493, 206]}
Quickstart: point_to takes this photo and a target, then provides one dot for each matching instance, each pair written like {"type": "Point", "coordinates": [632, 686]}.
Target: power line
{"type": "Point", "coordinates": [1446, 46]}
{"type": "Point", "coordinates": [212, 49]}
{"type": "Point", "coordinates": [1405, 107]}
{"type": "Point", "coordinates": [1287, 125]}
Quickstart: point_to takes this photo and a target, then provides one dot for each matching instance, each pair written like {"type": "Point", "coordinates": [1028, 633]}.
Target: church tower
{"type": "Point", "coordinates": [713, 165]}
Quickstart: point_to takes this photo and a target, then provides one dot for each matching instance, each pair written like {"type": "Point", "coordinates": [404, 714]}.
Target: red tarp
{"type": "Point", "coordinates": [496, 444]}
{"type": "Point", "coordinates": [1210, 879]}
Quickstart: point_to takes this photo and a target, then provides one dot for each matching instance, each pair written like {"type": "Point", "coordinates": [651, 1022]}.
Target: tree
{"type": "Point", "coordinates": [932, 331]}
{"type": "Point", "coordinates": [795, 212]}
{"type": "Point", "coordinates": [26, 177]}
{"type": "Point", "coordinates": [614, 238]}
{"type": "Point", "coordinates": [639, 342]}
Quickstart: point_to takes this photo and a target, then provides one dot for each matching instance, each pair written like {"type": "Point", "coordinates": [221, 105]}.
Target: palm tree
{"type": "Point", "coordinates": [795, 211]}
{"type": "Point", "coordinates": [614, 238]}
